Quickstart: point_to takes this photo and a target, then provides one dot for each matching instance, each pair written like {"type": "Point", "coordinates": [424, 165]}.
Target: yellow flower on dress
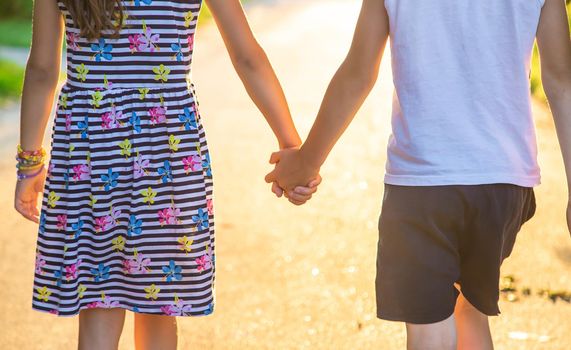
{"type": "Point", "coordinates": [188, 17]}
{"type": "Point", "coordinates": [162, 73]}
{"type": "Point", "coordinates": [93, 200]}
{"type": "Point", "coordinates": [125, 148]}
{"type": "Point", "coordinates": [143, 92]}
{"type": "Point", "coordinates": [149, 196]}
{"type": "Point", "coordinates": [52, 199]}
{"type": "Point", "coordinates": [118, 243]}
{"type": "Point", "coordinates": [96, 98]}
{"type": "Point", "coordinates": [80, 290]}
{"type": "Point", "coordinates": [173, 143]}
{"type": "Point", "coordinates": [82, 72]}
{"type": "Point", "coordinates": [63, 101]}
{"type": "Point", "coordinates": [152, 292]}
{"type": "Point", "coordinates": [185, 244]}
{"type": "Point", "coordinates": [44, 293]}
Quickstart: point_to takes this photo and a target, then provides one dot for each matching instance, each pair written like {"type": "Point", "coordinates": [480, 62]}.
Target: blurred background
{"type": "Point", "coordinates": [288, 277]}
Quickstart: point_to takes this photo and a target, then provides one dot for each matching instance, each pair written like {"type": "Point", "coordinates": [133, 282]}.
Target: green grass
{"type": "Point", "coordinates": [16, 32]}
{"type": "Point", "coordinates": [11, 79]}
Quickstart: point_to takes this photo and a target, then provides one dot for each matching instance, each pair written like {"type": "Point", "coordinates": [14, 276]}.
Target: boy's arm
{"type": "Point", "coordinates": [555, 49]}
{"type": "Point", "coordinates": [346, 93]}
{"type": "Point", "coordinates": [255, 70]}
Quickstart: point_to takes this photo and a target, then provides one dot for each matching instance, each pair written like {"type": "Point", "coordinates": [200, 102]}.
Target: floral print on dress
{"type": "Point", "coordinates": [129, 179]}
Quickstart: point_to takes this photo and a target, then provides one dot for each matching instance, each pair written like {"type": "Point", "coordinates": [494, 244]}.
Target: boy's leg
{"type": "Point", "coordinates": [100, 329]}
{"type": "Point", "coordinates": [472, 326]}
{"type": "Point", "coordinates": [434, 336]}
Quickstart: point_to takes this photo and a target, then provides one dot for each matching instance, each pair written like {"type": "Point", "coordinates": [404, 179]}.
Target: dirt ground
{"type": "Point", "coordinates": [289, 277]}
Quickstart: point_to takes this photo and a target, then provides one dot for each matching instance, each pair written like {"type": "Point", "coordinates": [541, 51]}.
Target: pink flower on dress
{"type": "Point", "coordinates": [40, 263]}
{"type": "Point", "coordinates": [164, 216]}
{"type": "Point", "coordinates": [191, 42]}
{"type": "Point", "coordinates": [204, 263]}
{"type": "Point", "coordinates": [114, 217]}
{"type": "Point", "coordinates": [50, 169]}
{"type": "Point", "coordinates": [139, 263]}
{"type": "Point", "coordinates": [107, 303]}
{"type": "Point", "coordinates": [68, 122]}
{"type": "Point", "coordinates": [110, 120]}
{"type": "Point", "coordinates": [81, 172]}
{"type": "Point", "coordinates": [93, 305]}
{"type": "Point", "coordinates": [61, 222]}
{"type": "Point", "coordinates": [173, 213]}
{"type": "Point", "coordinates": [135, 42]}
{"type": "Point", "coordinates": [102, 223]}
{"type": "Point", "coordinates": [210, 206]}
{"type": "Point", "coordinates": [54, 312]}
{"type": "Point", "coordinates": [192, 163]}
{"type": "Point", "coordinates": [148, 41]}
{"type": "Point", "coordinates": [158, 115]}
{"type": "Point", "coordinates": [141, 165]}
{"type": "Point", "coordinates": [71, 271]}
{"type": "Point", "coordinates": [178, 308]}
{"type": "Point", "coordinates": [72, 39]}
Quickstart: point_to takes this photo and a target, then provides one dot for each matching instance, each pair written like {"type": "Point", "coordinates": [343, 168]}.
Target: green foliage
{"type": "Point", "coordinates": [16, 9]}
{"type": "Point", "coordinates": [16, 32]}
{"type": "Point", "coordinates": [11, 79]}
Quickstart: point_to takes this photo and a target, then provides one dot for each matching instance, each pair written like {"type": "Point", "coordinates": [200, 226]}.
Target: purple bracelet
{"type": "Point", "coordinates": [22, 176]}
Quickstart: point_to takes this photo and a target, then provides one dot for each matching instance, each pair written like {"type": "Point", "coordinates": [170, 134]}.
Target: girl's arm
{"type": "Point", "coordinates": [346, 93]}
{"type": "Point", "coordinates": [555, 50]}
{"type": "Point", "coordinates": [255, 70]}
{"type": "Point", "coordinates": [40, 83]}
{"type": "Point", "coordinates": [42, 73]}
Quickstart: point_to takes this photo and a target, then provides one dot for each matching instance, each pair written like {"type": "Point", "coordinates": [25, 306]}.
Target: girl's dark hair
{"type": "Point", "coordinates": [93, 17]}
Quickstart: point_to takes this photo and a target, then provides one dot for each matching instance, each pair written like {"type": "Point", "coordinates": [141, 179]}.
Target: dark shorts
{"type": "Point", "coordinates": [435, 236]}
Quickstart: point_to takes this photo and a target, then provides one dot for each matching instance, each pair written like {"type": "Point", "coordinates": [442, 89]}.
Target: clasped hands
{"type": "Point", "coordinates": [293, 177]}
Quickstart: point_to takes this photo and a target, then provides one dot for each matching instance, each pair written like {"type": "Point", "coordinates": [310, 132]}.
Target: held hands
{"type": "Point", "coordinates": [293, 177]}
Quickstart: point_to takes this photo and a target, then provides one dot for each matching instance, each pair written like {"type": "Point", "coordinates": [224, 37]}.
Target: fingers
{"type": "Point", "coordinates": [277, 190]}
{"type": "Point", "coordinates": [271, 177]}
{"type": "Point", "coordinates": [275, 157]}
{"type": "Point", "coordinates": [28, 210]}
{"type": "Point", "coordinates": [315, 182]}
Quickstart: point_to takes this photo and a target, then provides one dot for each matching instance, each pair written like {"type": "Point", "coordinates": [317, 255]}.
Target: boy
{"type": "Point", "coordinates": [462, 158]}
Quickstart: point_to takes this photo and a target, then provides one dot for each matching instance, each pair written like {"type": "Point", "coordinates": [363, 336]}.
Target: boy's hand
{"type": "Point", "coordinates": [291, 171]}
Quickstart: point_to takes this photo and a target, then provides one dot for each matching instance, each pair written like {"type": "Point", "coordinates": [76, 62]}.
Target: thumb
{"type": "Point", "coordinates": [275, 157]}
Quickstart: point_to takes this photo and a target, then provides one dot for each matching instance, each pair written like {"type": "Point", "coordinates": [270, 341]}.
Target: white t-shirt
{"type": "Point", "coordinates": [462, 105]}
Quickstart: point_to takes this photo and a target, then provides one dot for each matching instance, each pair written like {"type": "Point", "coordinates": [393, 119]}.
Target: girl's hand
{"type": "Point", "coordinates": [300, 195]}
{"type": "Point", "coordinates": [26, 198]}
{"type": "Point", "coordinates": [569, 215]}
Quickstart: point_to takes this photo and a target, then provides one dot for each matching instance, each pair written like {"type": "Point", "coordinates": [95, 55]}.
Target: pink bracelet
{"type": "Point", "coordinates": [22, 176]}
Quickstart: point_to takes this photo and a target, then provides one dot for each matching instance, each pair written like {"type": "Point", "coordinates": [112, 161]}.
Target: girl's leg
{"type": "Point", "coordinates": [100, 329]}
{"type": "Point", "coordinates": [473, 327]}
{"type": "Point", "coordinates": [155, 332]}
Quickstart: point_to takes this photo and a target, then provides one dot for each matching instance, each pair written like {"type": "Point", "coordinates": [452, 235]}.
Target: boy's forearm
{"type": "Point", "coordinates": [346, 93]}
{"type": "Point", "coordinates": [37, 102]}
{"type": "Point", "coordinates": [265, 90]}
{"type": "Point", "coordinates": [559, 96]}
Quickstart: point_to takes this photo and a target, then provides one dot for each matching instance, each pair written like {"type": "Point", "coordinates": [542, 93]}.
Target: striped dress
{"type": "Point", "coordinates": [126, 218]}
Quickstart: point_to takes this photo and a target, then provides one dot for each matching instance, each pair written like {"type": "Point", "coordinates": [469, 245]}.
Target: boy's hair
{"type": "Point", "coordinates": [94, 17]}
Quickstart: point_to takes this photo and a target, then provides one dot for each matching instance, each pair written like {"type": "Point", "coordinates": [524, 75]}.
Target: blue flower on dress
{"type": "Point", "coordinates": [66, 178]}
{"type": "Point", "coordinates": [146, 2]}
{"type": "Point", "coordinates": [189, 119]}
{"type": "Point", "coordinates": [209, 310]}
{"type": "Point", "coordinates": [110, 180]}
{"type": "Point", "coordinates": [201, 219]}
{"type": "Point", "coordinates": [58, 274]}
{"type": "Point", "coordinates": [172, 271]}
{"type": "Point", "coordinates": [177, 48]}
{"type": "Point", "coordinates": [82, 126]}
{"type": "Point", "coordinates": [206, 165]}
{"type": "Point", "coordinates": [134, 227]}
{"type": "Point", "coordinates": [166, 172]}
{"type": "Point", "coordinates": [100, 273]}
{"type": "Point", "coordinates": [77, 228]}
{"type": "Point", "coordinates": [135, 120]}
{"type": "Point", "coordinates": [42, 227]}
{"type": "Point", "coordinates": [102, 50]}
{"type": "Point", "coordinates": [135, 309]}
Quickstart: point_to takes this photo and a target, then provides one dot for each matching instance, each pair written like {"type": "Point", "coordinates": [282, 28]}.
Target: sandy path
{"type": "Point", "coordinates": [295, 278]}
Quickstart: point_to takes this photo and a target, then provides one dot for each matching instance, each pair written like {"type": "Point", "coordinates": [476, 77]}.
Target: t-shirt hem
{"type": "Point", "coordinates": [480, 179]}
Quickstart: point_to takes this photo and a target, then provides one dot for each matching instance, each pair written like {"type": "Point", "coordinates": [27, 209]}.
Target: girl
{"type": "Point", "coordinates": [126, 221]}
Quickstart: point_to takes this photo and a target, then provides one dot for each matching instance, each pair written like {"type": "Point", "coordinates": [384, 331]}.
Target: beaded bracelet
{"type": "Point", "coordinates": [23, 176]}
